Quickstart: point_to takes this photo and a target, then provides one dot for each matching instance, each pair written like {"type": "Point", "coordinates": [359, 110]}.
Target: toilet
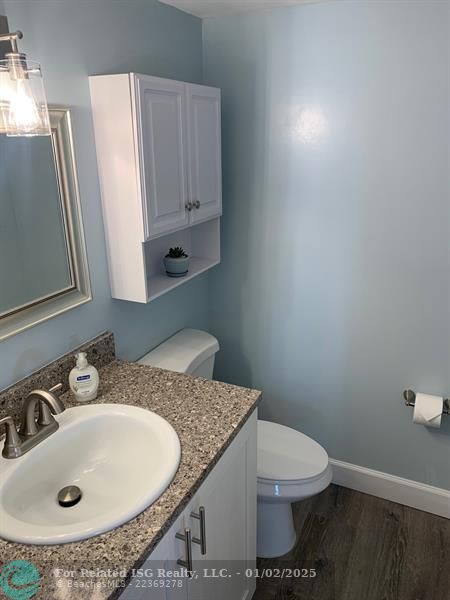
{"type": "Point", "coordinates": [291, 466]}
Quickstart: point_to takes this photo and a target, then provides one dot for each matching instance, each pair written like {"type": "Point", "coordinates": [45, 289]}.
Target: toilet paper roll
{"type": "Point", "coordinates": [428, 410]}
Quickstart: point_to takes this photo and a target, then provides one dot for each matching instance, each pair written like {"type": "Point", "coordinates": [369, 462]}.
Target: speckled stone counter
{"type": "Point", "coordinates": [207, 415]}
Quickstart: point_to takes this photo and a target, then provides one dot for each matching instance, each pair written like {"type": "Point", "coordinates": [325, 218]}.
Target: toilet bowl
{"type": "Point", "coordinates": [291, 466]}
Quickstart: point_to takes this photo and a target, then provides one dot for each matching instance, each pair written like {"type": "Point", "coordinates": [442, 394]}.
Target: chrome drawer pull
{"type": "Point", "coordinates": [187, 539]}
{"type": "Point", "coordinates": [200, 516]}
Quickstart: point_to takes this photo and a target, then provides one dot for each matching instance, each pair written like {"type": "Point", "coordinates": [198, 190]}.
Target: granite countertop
{"type": "Point", "coordinates": [206, 415]}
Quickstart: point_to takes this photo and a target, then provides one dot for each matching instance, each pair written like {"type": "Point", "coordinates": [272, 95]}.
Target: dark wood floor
{"type": "Point", "coordinates": [363, 548]}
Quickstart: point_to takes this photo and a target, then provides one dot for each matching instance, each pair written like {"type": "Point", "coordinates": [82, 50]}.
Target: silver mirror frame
{"type": "Point", "coordinates": [80, 292]}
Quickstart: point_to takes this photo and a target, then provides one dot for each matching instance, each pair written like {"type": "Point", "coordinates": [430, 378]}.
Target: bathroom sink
{"type": "Point", "coordinates": [120, 458]}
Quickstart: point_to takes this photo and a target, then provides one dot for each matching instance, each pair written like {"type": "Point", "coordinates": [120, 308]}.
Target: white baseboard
{"type": "Point", "coordinates": [404, 491]}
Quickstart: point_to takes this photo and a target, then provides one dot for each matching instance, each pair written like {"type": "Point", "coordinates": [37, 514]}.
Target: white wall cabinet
{"type": "Point", "coordinates": [228, 496]}
{"type": "Point", "coordinates": [158, 145]}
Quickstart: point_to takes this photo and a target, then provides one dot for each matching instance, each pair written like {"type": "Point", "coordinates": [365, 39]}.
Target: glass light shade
{"type": "Point", "coordinates": [23, 105]}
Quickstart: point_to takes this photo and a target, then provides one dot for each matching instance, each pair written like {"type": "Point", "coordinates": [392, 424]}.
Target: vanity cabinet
{"type": "Point", "coordinates": [158, 145]}
{"type": "Point", "coordinates": [228, 496]}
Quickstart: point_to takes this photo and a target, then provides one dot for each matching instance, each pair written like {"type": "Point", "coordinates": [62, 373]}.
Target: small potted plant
{"type": "Point", "coordinates": [176, 262]}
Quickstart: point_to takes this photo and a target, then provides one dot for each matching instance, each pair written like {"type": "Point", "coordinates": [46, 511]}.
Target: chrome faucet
{"type": "Point", "coordinates": [32, 431]}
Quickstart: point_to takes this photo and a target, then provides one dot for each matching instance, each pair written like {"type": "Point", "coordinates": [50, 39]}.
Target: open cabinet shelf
{"type": "Point", "coordinates": [160, 283]}
{"type": "Point", "coordinates": [202, 244]}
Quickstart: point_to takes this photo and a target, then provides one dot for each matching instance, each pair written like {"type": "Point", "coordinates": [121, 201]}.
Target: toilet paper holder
{"type": "Point", "coordinates": [410, 400]}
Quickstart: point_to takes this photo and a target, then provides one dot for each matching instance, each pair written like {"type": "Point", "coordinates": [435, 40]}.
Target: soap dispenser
{"type": "Point", "coordinates": [83, 379]}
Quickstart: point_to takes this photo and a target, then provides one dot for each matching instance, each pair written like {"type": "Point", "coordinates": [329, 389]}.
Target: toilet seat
{"type": "Point", "coordinates": [288, 456]}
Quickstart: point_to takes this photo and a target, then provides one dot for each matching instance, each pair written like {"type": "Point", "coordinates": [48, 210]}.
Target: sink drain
{"type": "Point", "coordinates": [69, 496]}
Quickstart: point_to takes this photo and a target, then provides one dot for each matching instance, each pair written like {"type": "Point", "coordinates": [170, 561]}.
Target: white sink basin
{"type": "Point", "coordinates": [121, 457]}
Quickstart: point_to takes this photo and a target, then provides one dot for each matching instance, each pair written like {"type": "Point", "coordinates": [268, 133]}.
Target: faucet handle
{"type": "Point", "coordinates": [56, 388]}
{"type": "Point", "coordinates": [45, 416]}
{"type": "Point", "coordinates": [11, 448]}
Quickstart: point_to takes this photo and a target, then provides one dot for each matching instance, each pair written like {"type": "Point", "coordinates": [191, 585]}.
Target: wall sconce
{"type": "Point", "coordinates": [23, 105]}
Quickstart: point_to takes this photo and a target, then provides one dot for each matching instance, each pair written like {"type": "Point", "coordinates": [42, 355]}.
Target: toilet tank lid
{"type": "Point", "coordinates": [183, 352]}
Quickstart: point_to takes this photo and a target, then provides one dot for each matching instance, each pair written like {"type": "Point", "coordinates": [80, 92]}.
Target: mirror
{"type": "Point", "coordinates": [43, 263]}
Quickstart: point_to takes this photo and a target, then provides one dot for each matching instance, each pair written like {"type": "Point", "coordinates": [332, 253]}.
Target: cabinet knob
{"type": "Point", "coordinates": [189, 206]}
{"type": "Point", "coordinates": [186, 537]}
{"type": "Point", "coordinates": [200, 516]}
{"type": "Point", "coordinates": [196, 204]}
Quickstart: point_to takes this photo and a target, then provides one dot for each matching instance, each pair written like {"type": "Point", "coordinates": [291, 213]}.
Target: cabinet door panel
{"type": "Point", "coordinates": [205, 163]}
{"type": "Point", "coordinates": [161, 130]}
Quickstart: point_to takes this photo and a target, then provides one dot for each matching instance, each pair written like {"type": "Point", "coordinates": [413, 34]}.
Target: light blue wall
{"type": "Point", "coordinates": [73, 39]}
{"type": "Point", "coordinates": [333, 294]}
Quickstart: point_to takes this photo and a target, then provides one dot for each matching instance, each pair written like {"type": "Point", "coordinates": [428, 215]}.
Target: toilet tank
{"type": "Point", "coordinates": [188, 351]}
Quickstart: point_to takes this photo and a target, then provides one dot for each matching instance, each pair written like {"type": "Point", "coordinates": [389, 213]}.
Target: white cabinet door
{"type": "Point", "coordinates": [229, 498]}
{"type": "Point", "coordinates": [160, 114]}
{"type": "Point", "coordinates": [204, 154]}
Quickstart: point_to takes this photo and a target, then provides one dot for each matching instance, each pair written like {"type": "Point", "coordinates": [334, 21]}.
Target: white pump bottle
{"type": "Point", "coordinates": [83, 379]}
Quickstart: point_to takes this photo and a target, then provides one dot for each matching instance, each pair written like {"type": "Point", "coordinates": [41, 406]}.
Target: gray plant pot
{"type": "Point", "coordinates": [176, 267]}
